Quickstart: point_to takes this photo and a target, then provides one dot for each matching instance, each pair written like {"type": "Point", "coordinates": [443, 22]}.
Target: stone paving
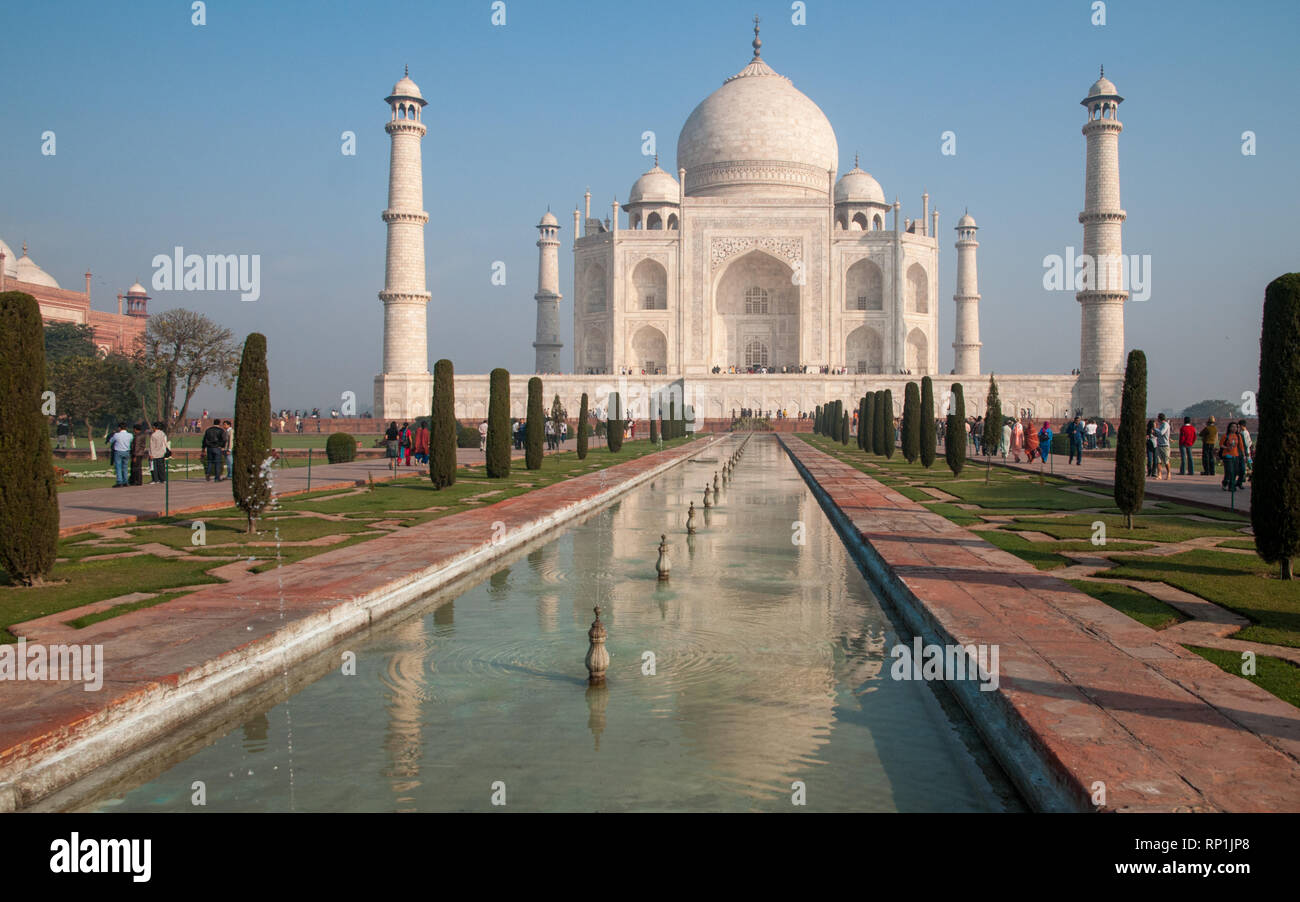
{"type": "Point", "coordinates": [166, 664]}
{"type": "Point", "coordinates": [1099, 696]}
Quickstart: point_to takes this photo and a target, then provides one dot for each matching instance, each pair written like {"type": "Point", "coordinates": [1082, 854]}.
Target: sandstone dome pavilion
{"type": "Point", "coordinates": [754, 277]}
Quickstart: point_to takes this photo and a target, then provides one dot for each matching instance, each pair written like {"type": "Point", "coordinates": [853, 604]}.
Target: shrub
{"type": "Point", "coordinates": [443, 429]}
{"type": "Point", "coordinates": [536, 427]}
{"type": "Point", "coordinates": [1275, 486]}
{"type": "Point", "coordinates": [992, 436]}
{"type": "Point", "coordinates": [891, 437]}
{"type": "Point", "coordinates": [251, 479]}
{"type": "Point", "coordinates": [31, 508]}
{"type": "Point", "coordinates": [929, 429]}
{"type": "Point", "coordinates": [614, 428]}
{"type": "Point", "coordinates": [911, 422]}
{"type": "Point", "coordinates": [466, 436]}
{"type": "Point", "coordinates": [583, 426]}
{"type": "Point", "coordinates": [341, 447]}
{"type": "Point", "coordinates": [954, 443]}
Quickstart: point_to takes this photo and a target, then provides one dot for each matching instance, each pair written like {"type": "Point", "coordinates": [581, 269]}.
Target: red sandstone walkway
{"type": "Point", "coordinates": [151, 655]}
{"type": "Point", "coordinates": [1103, 697]}
{"type": "Point", "coordinates": [108, 507]}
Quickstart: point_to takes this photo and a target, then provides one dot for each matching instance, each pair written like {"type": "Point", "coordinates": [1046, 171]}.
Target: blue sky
{"type": "Point", "coordinates": [226, 139]}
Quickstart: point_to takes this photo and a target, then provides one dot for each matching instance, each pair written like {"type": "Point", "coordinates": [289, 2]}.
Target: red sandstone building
{"type": "Point", "coordinates": [114, 332]}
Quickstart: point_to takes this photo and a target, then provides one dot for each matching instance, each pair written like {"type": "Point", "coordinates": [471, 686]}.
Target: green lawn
{"type": "Point", "coordinates": [1137, 604]}
{"type": "Point", "coordinates": [1275, 675]}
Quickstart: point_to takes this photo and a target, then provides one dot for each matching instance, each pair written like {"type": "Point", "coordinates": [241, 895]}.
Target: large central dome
{"type": "Point", "coordinates": [757, 135]}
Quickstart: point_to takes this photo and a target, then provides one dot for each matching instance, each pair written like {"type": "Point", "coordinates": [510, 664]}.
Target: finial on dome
{"type": "Point", "coordinates": [656, 159]}
{"type": "Point", "coordinates": [758, 42]}
{"type": "Point", "coordinates": [406, 71]}
{"type": "Point", "coordinates": [24, 248]}
{"type": "Point", "coordinates": [1103, 72]}
{"type": "Point", "coordinates": [855, 160]}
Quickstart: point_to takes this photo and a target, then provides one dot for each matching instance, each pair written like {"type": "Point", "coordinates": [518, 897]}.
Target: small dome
{"type": "Point", "coordinates": [655, 186]}
{"type": "Point", "coordinates": [406, 88]}
{"type": "Point", "coordinates": [137, 289]}
{"type": "Point", "coordinates": [28, 271]}
{"type": "Point", "coordinates": [967, 222]}
{"type": "Point", "coordinates": [858, 187]}
{"type": "Point", "coordinates": [1102, 86]}
{"type": "Point", "coordinates": [549, 219]}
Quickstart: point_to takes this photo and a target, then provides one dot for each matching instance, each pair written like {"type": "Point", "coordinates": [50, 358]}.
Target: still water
{"type": "Point", "coordinates": [760, 667]}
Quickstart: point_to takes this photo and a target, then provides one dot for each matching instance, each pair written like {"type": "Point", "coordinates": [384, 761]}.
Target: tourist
{"type": "Point", "coordinates": [120, 443]}
{"type": "Point", "coordinates": [1103, 435]}
{"type": "Point", "coordinates": [549, 431]}
{"type": "Point", "coordinates": [214, 443]}
{"type": "Point", "coordinates": [1090, 434]}
{"type": "Point", "coordinates": [391, 447]}
{"type": "Point", "coordinates": [230, 447]}
{"type": "Point", "coordinates": [1005, 444]}
{"type": "Point", "coordinates": [1045, 441]}
{"type": "Point", "coordinates": [422, 444]}
{"type": "Point", "coordinates": [159, 450]}
{"type": "Point", "coordinates": [1151, 448]}
{"type": "Point", "coordinates": [1209, 446]}
{"type": "Point", "coordinates": [564, 432]}
{"type": "Point", "coordinates": [482, 436]}
{"type": "Point", "coordinates": [1230, 452]}
{"type": "Point", "coordinates": [1017, 439]}
{"type": "Point", "coordinates": [139, 454]}
{"type": "Point", "coordinates": [1075, 431]}
{"type": "Point", "coordinates": [61, 430]}
{"type": "Point", "coordinates": [1031, 443]}
{"type": "Point", "coordinates": [1186, 441]}
{"type": "Point", "coordinates": [406, 442]}
{"type": "Point", "coordinates": [1162, 447]}
{"type": "Point", "coordinates": [1244, 465]}
{"type": "Point", "coordinates": [977, 433]}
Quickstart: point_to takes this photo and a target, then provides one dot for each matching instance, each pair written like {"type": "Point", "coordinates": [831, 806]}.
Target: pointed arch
{"type": "Point", "coordinates": [864, 350]}
{"type": "Point", "coordinates": [918, 289]}
{"type": "Point", "coordinates": [917, 358]}
{"type": "Point", "coordinates": [864, 286]}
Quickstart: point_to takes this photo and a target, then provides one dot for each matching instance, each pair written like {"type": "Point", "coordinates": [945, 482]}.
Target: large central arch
{"type": "Point", "coordinates": [756, 313]}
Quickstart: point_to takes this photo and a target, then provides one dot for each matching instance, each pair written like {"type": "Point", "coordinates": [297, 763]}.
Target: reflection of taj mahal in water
{"type": "Point", "coordinates": [754, 258]}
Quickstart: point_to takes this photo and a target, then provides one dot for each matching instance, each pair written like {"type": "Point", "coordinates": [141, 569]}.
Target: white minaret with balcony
{"type": "Point", "coordinates": [404, 390]}
{"type": "Point", "coordinates": [1103, 291]}
{"type": "Point", "coordinates": [548, 295]}
{"type": "Point", "coordinates": [966, 347]}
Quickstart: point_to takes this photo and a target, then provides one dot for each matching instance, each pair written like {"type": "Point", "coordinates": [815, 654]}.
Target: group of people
{"type": "Point", "coordinates": [408, 442]}
{"type": "Point", "coordinates": [218, 448]}
{"type": "Point", "coordinates": [130, 448]}
{"type": "Point", "coordinates": [1233, 448]}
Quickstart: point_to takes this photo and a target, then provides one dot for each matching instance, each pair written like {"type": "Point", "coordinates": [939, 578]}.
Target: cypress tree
{"type": "Point", "coordinates": [817, 420]}
{"type": "Point", "coordinates": [862, 423]}
{"type": "Point", "coordinates": [1130, 441]}
{"type": "Point", "coordinates": [672, 416]}
{"type": "Point", "coordinates": [498, 434]}
{"type": "Point", "coordinates": [954, 444]}
{"type": "Point", "coordinates": [992, 419]}
{"type": "Point", "coordinates": [1275, 483]}
{"type": "Point", "coordinates": [31, 509]}
{"type": "Point", "coordinates": [844, 427]}
{"type": "Point", "coordinates": [891, 436]}
{"type": "Point", "coordinates": [583, 426]}
{"type": "Point", "coordinates": [442, 428]}
{"type": "Point", "coordinates": [868, 425]}
{"type": "Point", "coordinates": [252, 454]}
{"type": "Point", "coordinates": [614, 424]}
{"type": "Point", "coordinates": [536, 427]}
{"type": "Point", "coordinates": [929, 437]}
{"type": "Point", "coordinates": [654, 431]}
{"type": "Point", "coordinates": [911, 422]}
{"type": "Point", "coordinates": [878, 424]}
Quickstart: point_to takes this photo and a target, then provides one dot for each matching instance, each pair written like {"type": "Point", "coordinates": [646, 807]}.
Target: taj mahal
{"type": "Point", "coordinates": [754, 277]}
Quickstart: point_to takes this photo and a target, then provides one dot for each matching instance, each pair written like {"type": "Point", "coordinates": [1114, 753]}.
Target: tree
{"type": "Point", "coordinates": [992, 426]}
{"type": "Point", "coordinates": [64, 340]}
{"type": "Point", "coordinates": [341, 447]}
{"type": "Point", "coordinates": [1130, 440]}
{"type": "Point", "coordinates": [654, 431]}
{"type": "Point", "coordinates": [844, 426]}
{"type": "Point", "coordinates": [536, 428]}
{"type": "Point", "coordinates": [817, 420]}
{"type": "Point", "coordinates": [911, 422]}
{"type": "Point", "coordinates": [862, 423]}
{"type": "Point", "coordinates": [29, 533]}
{"type": "Point", "coordinates": [442, 427]}
{"type": "Point", "coordinates": [614, 424]}
{"type": "Point", "coordinates": [672, 417]}
{"type": "Point", "coordinates": [251, 479]}
{"type": "Point", "coordinates": [1220, 410]}
{"type": "Point", "coordinates": [929, 440]}
{"type": "Point", "coordinates": [583, 426]}
{"type": "Point", "coordinates": [868, 425]}
{"type": "Point", "coordinates": [1275, 485]}
{"type": "Point", "coordinates": [891, 438]}
{"type": "Point", "coordinates": [878, 426]}
{"type": "Point", "coordinates": [181, 350]}
{"type": "Point", "coordinates": [954, 443]}
{"type": "Point", "coordinates": [498, 434]}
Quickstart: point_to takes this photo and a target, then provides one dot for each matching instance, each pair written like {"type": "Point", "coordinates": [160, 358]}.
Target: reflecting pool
{"type": "Point", "coordinates": [756, 676]}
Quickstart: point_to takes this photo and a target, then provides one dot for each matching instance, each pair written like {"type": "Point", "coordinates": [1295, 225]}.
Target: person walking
{"type": "Point", "coordinates": [214, 445]}
{"type": "Point", "coordinates": [139, 454]}
{"type": "Point", "coordinates": [1151, 449]}
{"type": "Point", "coordinates": [1031, 443]}
{"type": "Point", "coordinates": [62, 429]}
{"type": "Point", "coordinates": [406, 441]}
{"type": "Point", "coordinates": [549, 431]}
{"type": "Point", "coordinates": [1162, 447]}
{"type": "Point", "coordinates": [1244, 464]}
{"type": "Point", "coordinates": [482, 436]}
{"type": "Point", "coordinates": [1090, 433]}
{"type": "Point", "coordinates": [1045, 441]}
{"type": "Point", "coordinates": [422, 444]}
{"type": "Point", "coordinates": [1017, 439]}
{"type": "Point", "coordinates": [1186, 441]}
{"type": "Point", "coordinates": [229, 447]}
{"type": "Point", "coordinates": [1230, 452]}
{"type": "Point", "coordinates": [1075, 431]}
{"type": "Point", "coordinates": [1005, 444]}
{"type": "Point", "coordinates": [120, 442]}
{"type": "Point", "coordinates": [1103, 434]}
{"type": "Point", "coordinates": [1209, 447]}
{"type": "Point", "coordinates": [391, 447]}
{"type": "Point", "coordinates": [564, 432]}
{"type": "Point", "coordinates": [159, 450]}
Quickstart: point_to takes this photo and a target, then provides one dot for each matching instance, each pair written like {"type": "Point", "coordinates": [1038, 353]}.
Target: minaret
{"type": "Point", "coordinates": [404, 390]}
{"type": "Point", "coordinates": [1102, 298]}
{"type": "Point", "coordinates": [966, 346]}
{"type": "Point", "coordinates": [548, 295]}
